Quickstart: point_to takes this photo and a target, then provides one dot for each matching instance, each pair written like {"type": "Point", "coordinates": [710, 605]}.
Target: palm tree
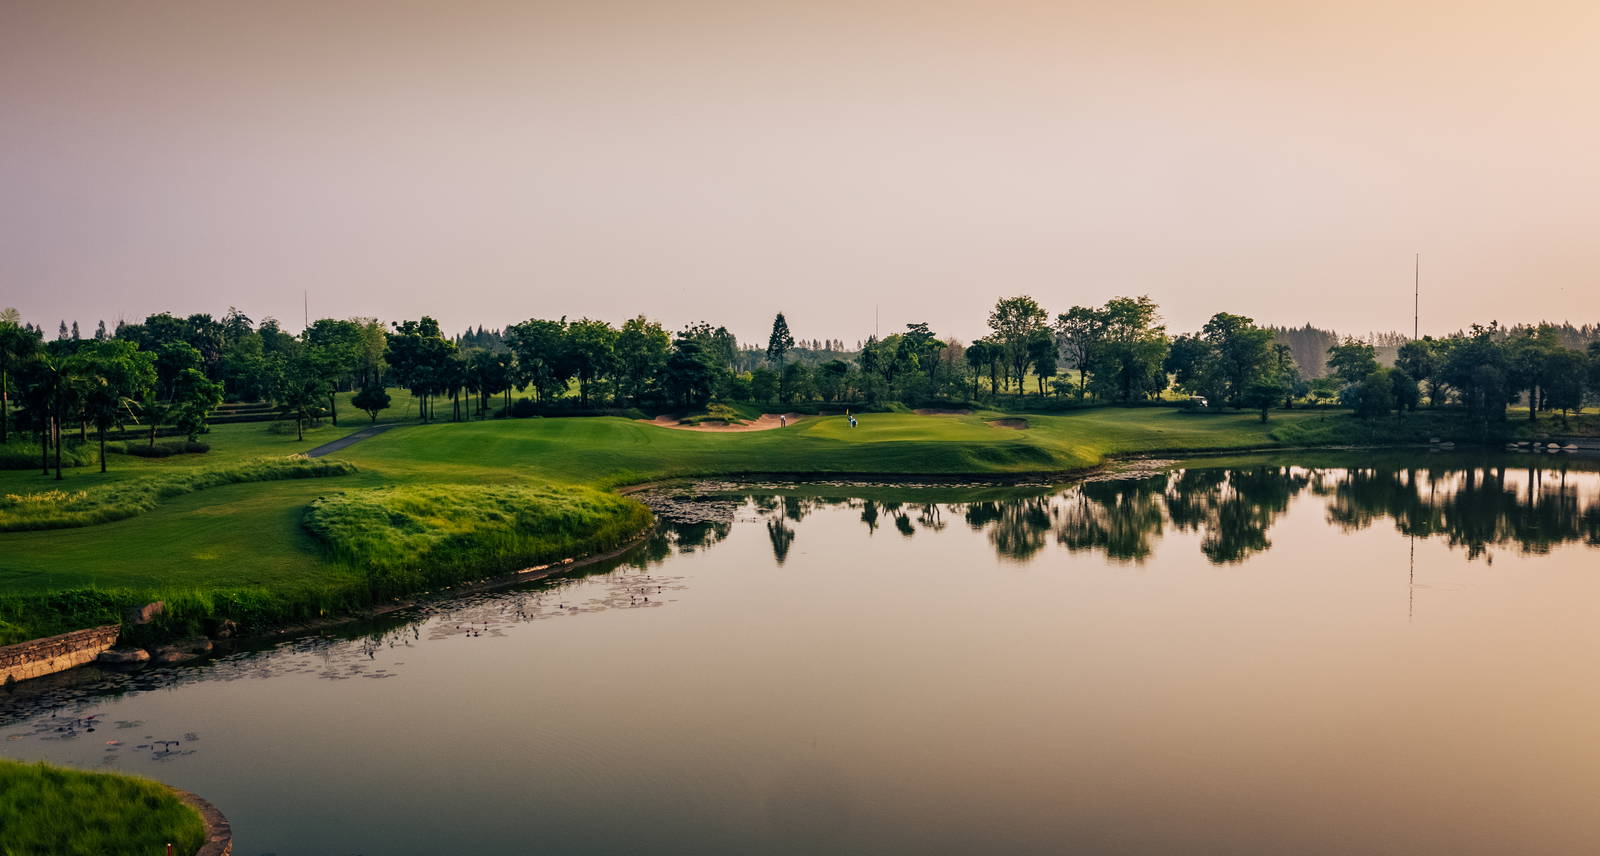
{"type": "Point", "coordinates": [111, 376]}
{"type": "Point", "coordinates": [16, 346]}
{"type": "Point", "coordinates": [48, 379]}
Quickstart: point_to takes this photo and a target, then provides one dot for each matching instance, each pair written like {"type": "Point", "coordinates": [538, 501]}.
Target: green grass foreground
{"type": "Point", "coordinates": [53, 811]}
{"type": "Point", "coordinates": [428, 505]}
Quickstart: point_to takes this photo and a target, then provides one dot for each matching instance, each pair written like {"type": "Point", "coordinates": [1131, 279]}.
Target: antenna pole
{"type": "Point", "coordinates": [1416, 296]}
{"type": "Point", "coordinates": [305, 308]}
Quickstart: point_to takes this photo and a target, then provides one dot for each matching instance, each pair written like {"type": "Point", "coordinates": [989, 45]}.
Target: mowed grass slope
{"type": "Point", "coordinates": [244, 550]}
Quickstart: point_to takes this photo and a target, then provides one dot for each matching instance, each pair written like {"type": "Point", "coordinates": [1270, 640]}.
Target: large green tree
{"type": "Point", "coordinates": [1131, 350]}
{"type": "Point", "coordinates": [1241, 353]}
{"type": "Point", "coordinates": [1421, 358]}
{"type": "Point", "coordinates": [373, 400]}
{"type": "Point", "coordinates": [297, 389]}
{"type": "Point", "coordinates": [1352, 360]}
{"type": "Point", "coordinates": [335, 349]}
{"type": "Point", "coordinates": [642, 350]}
{"type": "Point", "coordinates": [1014, 322]}
{"type": "Point", "coordinates": [17, 345]}
{"type": "Point", "coordinates": [182, 395]}
{"type": "Point", "coordinates": [1080, 331]}
{"type": "Point", "coordinates": [418, 357]}
{"type": "Point", "coordinates": [982, 355]}
{"type": "Point", "coordinates": [112, 375]}
{"type": "Point", "coordinates": [1475, 365]}
{"type": "Point", "coordinates": [1530, 354]}
{"type": "Point", "coordinates": [542, 355]}
{"type": "Point", "coordinates": [690, 374]}
{"type": "Point", "coordinates": [593, 347]}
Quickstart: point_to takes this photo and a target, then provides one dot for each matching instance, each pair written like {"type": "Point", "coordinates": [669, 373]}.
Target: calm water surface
{"type": "Point", "coordinates": [1259, 658]}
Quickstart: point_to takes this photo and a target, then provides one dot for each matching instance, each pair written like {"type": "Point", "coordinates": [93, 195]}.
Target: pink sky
{"type": "Point", "coordinates": [486, 162]}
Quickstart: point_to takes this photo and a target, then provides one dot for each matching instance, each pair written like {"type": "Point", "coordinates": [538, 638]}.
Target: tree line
{"type": "Point", "coordinates": [170, 371]}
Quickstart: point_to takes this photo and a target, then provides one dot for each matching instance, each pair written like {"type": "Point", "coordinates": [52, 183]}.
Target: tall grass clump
{"type": "Point", "coordinates": [62, 509]}
{"type": "Point", "coordinates": [54, 811]}
{"type": "Point", "coordinates": [417, 536]}
{"type": "Point", "coordinates": [25, 616]}
{"type": "Point", "coordinates": [187, 611]}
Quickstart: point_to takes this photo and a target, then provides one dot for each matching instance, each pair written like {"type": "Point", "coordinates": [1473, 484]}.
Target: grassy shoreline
{"type": "Point", "coordinates": [444, 503]}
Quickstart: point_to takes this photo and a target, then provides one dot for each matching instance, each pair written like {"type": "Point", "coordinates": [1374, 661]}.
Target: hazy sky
{"type": "Point", "coordinates": [486, 162]}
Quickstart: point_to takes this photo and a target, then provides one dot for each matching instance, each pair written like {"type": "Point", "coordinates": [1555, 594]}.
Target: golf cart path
{"type": "Point", "coordinates": [350, 440]}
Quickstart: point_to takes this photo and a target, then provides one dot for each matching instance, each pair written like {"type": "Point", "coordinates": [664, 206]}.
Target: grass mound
{"type": "Point", "coordinates": [62, 509]}
{"type": "Point", "coordinates": [415, 536]}
{"type": "Point", "coordinates": [51, 811]}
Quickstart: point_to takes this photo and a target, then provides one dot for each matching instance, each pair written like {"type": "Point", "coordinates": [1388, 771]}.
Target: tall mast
{"type": "Point", "coordinates": [1416, 296]}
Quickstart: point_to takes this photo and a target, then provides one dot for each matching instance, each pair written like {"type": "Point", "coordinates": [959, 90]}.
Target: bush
{"type": "Point", "coordinates": [162, 450]}
{"type": "Point", "coordinates": [60, 509]}
{"type": "Point", "coordinates": [25, 456]}
{"type": "Point", "coordinates": [524, 408]}
{"type": "Point", "coordinates": [287, 426]}
{"type": "Point", "coordinates": [717, 414]}
{"type": "Point", "coordinates": [418, 536]}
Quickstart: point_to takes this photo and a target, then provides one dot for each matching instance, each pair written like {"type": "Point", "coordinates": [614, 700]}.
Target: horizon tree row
{"type": "Point", "coordinates": [171, 371]}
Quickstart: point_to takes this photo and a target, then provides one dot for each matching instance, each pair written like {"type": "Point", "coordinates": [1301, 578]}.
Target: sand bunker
{"type": "Point", "coordinates": [767, 422]}
{"type": "Point", "coordinates": [1012, 423]}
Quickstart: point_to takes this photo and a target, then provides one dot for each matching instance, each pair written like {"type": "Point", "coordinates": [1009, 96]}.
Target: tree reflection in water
{"type": "Point", "coordinates": [1234, 510]}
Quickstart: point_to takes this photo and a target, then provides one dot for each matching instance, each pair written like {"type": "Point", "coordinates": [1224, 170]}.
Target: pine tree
{"type": "Point", "coordinates": [75, 335]}
{"type": "Point", "coordinates": [780, 342]}
{"type": "Point", "coordinates": [100, 332]}
{"type": "Point", "coordinates": [61, 332]}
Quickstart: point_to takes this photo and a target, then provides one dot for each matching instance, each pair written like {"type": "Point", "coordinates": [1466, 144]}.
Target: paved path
{"type": "Point", "coordinates": [349, 440]}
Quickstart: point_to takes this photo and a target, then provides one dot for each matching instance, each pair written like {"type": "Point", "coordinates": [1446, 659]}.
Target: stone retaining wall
{"type": "Point", "coordinates": [219, 834]}
{"type": "Point", "coordinates": [55, 653]}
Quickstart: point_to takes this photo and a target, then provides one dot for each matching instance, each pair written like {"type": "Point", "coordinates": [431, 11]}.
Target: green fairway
{"type": "Point", "coordinates": [612, 451]}
{"type": "Point", "coordinates": [248, 543]}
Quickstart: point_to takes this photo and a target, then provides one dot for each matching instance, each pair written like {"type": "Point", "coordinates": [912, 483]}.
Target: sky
{"type": "Point", "coordinates": [852, 164]}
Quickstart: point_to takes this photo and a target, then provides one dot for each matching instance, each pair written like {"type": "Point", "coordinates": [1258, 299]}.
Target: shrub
{"type": "Point", "coordinates": [287, 426]}
{"type": "Point", "coordinates": [18, 455]}
{"type": "Point", "coordinates": [162, 450]}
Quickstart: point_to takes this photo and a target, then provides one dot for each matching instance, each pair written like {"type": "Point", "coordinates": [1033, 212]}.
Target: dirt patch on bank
{"type": "Point", "coordinates": [941, 411]}
{"type": "Point", "coordinates": [1013, 423]}
{"type": "Point", "coordinates": [766, 422]}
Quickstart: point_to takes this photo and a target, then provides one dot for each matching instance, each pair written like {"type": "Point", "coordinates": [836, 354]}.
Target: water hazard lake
{"type": "Point", "coordinates": [1339, 655]}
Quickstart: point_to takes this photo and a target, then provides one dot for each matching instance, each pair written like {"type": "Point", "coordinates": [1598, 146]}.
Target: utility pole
{"type": "Point", "coordinates": [305, 309]}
